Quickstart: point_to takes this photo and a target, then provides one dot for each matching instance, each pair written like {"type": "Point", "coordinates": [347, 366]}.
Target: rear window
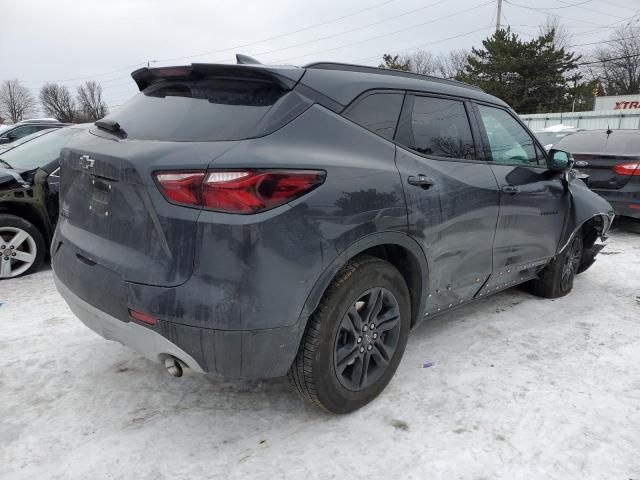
{"type": "Point", "coordinates": [202, 110]}
{"type": "Point", "coordinates": [618, 143]}
{"type": "Point", "coordinates": [378, 112]}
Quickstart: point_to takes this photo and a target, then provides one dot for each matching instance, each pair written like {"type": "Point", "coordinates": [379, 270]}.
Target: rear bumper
{"type": "Point", "coordinates": [231, 353]}
{"type": "Point", "coordinates": [625, 201]}
{"type": "Point", "coordinates": [144, 340]}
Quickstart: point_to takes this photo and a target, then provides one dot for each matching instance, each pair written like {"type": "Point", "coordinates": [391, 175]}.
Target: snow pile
{"type": "Point", "coordinates": [518, 387]}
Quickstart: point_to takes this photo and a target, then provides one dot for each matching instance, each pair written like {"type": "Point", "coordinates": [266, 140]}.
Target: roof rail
{"type": "Point", "coordinates": [348, 67]}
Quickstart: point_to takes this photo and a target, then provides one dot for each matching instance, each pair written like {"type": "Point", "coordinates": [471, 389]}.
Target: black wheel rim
{"type": "Point", "coordinates": [367, 339]}
{"type": "Point", "coordinates": [571, 264]}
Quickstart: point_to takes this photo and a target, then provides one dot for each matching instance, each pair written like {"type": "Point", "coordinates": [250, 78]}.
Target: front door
{"type": "Point", "coordinates": [452, 196]}
{"type": "Point", "coordinates": [533, 201]}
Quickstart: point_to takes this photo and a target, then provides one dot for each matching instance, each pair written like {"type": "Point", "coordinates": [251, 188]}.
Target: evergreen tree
{"type": "Point", "coordinates": [531, 76]}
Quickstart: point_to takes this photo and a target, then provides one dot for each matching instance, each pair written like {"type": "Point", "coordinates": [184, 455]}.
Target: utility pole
{"type": "Point", "coordinates": [498, 16]}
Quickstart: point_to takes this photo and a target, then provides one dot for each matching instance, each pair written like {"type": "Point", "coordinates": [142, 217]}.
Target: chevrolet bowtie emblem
{"type": "Point", "coordinates": [86, 162]}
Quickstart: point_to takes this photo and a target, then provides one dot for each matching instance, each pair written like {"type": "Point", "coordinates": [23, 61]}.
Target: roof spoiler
{"type": "Point", "coordinates": [285, 77]}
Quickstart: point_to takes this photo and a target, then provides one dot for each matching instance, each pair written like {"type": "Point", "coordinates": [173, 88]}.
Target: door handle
{"type": "Point", "coordinates": [510, 189]}
{"type": "Point", "coordinates": [421, 181]}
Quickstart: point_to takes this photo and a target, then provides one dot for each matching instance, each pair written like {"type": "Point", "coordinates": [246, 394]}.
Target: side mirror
{"type": "Point", "coordinates": [11, 137]}
{"type": "Point", "coordinates": [559, 160]}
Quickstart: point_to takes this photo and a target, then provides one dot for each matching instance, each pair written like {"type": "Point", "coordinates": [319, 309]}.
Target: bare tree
{"type": "Point", "coordinates": [618, 65]}
{"type": "Point", "coordinates": [422, 62]}
{"type": "Point", "coordinates": [452, 64]}
{"type": "Point", "coordinates": [90, 101]}
{"type": "Point", "coordinates": [562, 37]}
{"type": "Point", "coordinates": [58, 102]}
{"type": "Point", "coordinates": [16, 100]}
{"type": "Point", "coordinates": [445, 65]}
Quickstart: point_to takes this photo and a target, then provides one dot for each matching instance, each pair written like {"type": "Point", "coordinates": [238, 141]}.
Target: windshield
{"type": "Point", "coordinates": [39, 151]}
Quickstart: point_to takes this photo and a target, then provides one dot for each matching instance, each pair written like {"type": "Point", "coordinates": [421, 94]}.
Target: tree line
{"type": "Point", "coordinates": [539, 75]}
{"type": "Point", "coordinates": [55, 100]}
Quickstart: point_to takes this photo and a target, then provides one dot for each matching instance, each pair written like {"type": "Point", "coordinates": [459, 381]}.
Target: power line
{"type": "Point", "coordinates": [542, 10]}
{"type": "Point", "coordinates": [349, 31]}
{"type": "Point", "coordinates": [422, 45]}
{"type": "Point", "coordinates": [593, 10]}
{"type": "Point", "coordinates": [309, 27]}
{"type": "Point", "coordinates": [605, 60]}
{"type": "Point", "coordinates": [386, 34]}
{"type": "Point", "coordinates": [567, 5]}
{"type": "Point", "coordinates": [609, 2]}
{"type": "Point", "coordinates": [276, 36]}
{"type": "Point", "coordinates": [600, 42]}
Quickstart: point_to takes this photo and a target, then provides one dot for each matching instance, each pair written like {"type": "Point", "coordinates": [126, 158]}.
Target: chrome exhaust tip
{"type": "Point", "coordinates": [173, 366]}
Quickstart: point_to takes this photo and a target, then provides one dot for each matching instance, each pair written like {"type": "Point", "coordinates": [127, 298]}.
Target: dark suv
{"type": "Point", "coordinates": [250, 221]}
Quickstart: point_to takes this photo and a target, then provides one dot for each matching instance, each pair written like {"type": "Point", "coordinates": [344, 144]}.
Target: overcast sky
{"type": "Point", "coordinates": [70, 41]}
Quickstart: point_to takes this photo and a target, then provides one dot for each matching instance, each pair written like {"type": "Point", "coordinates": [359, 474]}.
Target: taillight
{"type": "Point", "coordinates": [238, 191]}
{"type": "Point", "coordinates": [142, 317]}
{"type": "Point", "coordinates": [627, 168]}
{"type": "Point", "coordinates": [182, 187]}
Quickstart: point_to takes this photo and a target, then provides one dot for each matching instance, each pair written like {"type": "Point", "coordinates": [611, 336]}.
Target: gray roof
{"type": "Point", "coordinates": [344, 82]}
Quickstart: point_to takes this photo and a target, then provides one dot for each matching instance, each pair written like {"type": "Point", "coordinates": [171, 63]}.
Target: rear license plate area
{"type": "Point", "coordinates": [100, 196]}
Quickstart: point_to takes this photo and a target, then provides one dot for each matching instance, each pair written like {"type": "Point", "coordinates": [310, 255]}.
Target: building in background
{"type": "Point", "coordinates": [618, 102]}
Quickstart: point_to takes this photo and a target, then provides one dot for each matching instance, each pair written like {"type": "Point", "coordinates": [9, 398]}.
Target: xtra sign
{"type": "Point", "coordinates": [622, 105]}
{"type": "Point", "coordinates": [618, 102]}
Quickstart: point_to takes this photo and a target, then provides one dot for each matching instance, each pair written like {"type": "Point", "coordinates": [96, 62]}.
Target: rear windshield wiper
{"type": "Point", "coordinates": [111, 126]}
{"type": "Point", "coordinates": [5, 163]}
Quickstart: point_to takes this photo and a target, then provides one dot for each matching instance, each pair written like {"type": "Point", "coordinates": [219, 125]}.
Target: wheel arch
{"type": "Point", "coordinates": [397, 248]}
{"type": "Point", "coordinates": [30, 214]}
{"type": "Point", "coordinates": [591, 228]}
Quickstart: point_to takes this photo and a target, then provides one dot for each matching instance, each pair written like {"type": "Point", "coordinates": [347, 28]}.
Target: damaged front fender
{"type": "Point", "coordinates": [589, 214]}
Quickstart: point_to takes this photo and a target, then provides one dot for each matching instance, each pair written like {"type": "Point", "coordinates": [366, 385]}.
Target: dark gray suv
{"type": "Point", "coordinates": [253, 221]}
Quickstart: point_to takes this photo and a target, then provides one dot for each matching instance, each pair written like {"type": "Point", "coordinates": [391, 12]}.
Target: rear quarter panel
{"type": "Point", "coordinates": [256, 271]}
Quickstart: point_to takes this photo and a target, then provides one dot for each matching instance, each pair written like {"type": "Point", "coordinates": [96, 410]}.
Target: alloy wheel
{"type": "Point", "coordinates": [367, 339]}
{"type": "Point", "coordinates": [18, 251]}
{"type": "Point", "coordinates": [571, 264]}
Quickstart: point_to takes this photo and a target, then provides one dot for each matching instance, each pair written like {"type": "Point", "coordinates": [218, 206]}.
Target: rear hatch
{"type": "Point", "coordinates": [597, 154]}
{"type": "Point", "coordinates": [112, 213]}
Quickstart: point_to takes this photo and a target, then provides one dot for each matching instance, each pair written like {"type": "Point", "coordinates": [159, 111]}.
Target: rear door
{"type": "Point", "coordinates": [452, 196]}
{"type": "Point", "coordinates": [597, 154]}
{"type": "Point", "coordinates": [533, 200]}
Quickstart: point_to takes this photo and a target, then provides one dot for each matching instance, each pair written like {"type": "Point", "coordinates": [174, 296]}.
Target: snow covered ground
{"type": "Point", "coordinates": [520, 388]}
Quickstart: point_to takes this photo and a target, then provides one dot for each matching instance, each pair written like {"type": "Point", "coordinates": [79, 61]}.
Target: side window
{"type": "Point", "coordinates": [23, 132]}
{"type": "Point", "coordinates": [377, 112]}
{"type": "Point", "coordinates": [441, 128]}
{"type": "Point", "coordinates": [508, 141]}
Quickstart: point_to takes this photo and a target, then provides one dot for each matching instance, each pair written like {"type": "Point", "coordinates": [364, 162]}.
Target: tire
{"type": "Point", "coordinates": [556, 280]}
{"type": "Point", "coordinates": [328, 369]}
{"type": "Point", "coordinates": [28, 243]}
